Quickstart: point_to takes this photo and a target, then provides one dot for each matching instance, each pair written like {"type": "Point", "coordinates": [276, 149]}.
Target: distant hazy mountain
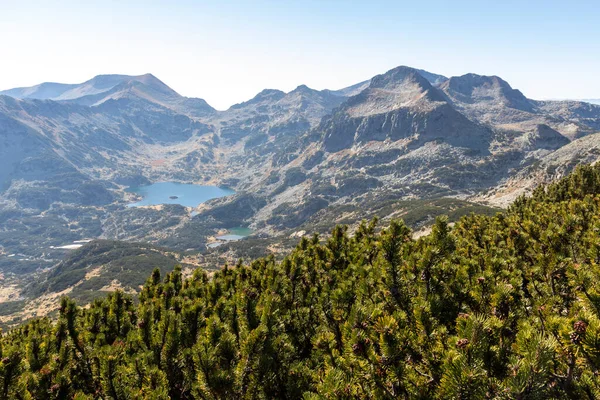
{"type": "Point", "coordinates": [43, 91]}
{"type": "Point", "coordinates": [274, 114]}
{"type": "Point", "coordinates": [113, 87]}
{"type": "Point", "coordinates": [434, 79]}
{"type": "Point", "coordinates": [60, 91]}
{"type": "Point", "coordinates": [487, 91]}
{"type": "Point", "coordinates": [593, 101]}
{"type": "Point", "coordinates": [491, 100]}
{"type": "Point", "coordinates": [352, 90]}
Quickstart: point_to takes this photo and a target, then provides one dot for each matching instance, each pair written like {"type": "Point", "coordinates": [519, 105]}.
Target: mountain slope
{"type": "Point", "coordinates": [491, 100]}
{"type": "Point", "coordinates": [552, 166]}
{"type": "Point", "coordinates": [434, 79]}
{"type": "Point", "coordinates": [403, 137]}
{"type": "Point", "coordinates": [274, 112]}
{"type": "Point", "coordinates": [592, 101]}
{"type": "Point", "coordinates": [101, 264]}
{"type": "Point", "coordinates": [64, 168]}
{"type": "Point", "coordinates": [399, 138]}
{"type": "Point", "coordinates": [400, 104]}
{"type": "Point", "coordinates": [581, 112]}
{"type": "Point", "coordinates": [352, 90]}
{"type": "Point", "coordinates": [98, 84]}
{"type": "Point", "coordinates": [256, 132]}
{"type": "Point", "coordinates": [43, 91]}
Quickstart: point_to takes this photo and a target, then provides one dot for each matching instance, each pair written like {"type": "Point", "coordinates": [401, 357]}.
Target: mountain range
{"type": "Point", "coordinates": [593, 101]}
{"type": "Point", "coordinates": [298, 161]}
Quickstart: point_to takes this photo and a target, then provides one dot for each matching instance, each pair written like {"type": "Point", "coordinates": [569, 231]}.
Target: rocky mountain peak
{"type": "Point", "coordinates": [264, 96]}
{"type": "Point", "coordinates": [543, 137]}
{"type": "Point", "coordinates": [100, 84]}
{"type": "Point", "coordinates": [473, 88]}
{"type": "Point", "coordinates": [304, 92]}
{"type": "Point", "coordinates": [155, 83]}
{"type": "Point", "coordinates": [302, 88]}
{"type": "Point", "coordinates": [400, 87]}
{"type": "Point", "coordinates": [399, 75]}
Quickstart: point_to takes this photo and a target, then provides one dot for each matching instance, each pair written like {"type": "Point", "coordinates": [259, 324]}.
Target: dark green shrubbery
{"type": "Point", "coordinates": [128, 263]}
{"type": "Point", "coordinates": [498, 307]}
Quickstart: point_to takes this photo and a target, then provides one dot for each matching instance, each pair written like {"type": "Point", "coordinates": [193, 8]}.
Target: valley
{"type": "Point", "coordinates": [404, 144]}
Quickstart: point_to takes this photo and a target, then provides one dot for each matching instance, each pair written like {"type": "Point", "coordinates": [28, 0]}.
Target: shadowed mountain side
{"type": "Point", "coordinates": [400, 104]}
{"type": "Point", "coordinates": [491, 100]}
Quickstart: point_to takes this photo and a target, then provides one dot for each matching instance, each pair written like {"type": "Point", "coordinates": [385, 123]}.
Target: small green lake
{"type": "Point", "coordinates": [235, 234]}
{"type": "Point", "coordinates": [232, 235]}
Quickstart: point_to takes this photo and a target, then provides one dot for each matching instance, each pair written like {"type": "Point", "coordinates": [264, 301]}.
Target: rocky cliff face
{"type": "Point", "coordinates": [400, 105]}
{"type": "Point", "coordinates": [273, 113]}
{"type": "Point", "coordinates": [492, 101]}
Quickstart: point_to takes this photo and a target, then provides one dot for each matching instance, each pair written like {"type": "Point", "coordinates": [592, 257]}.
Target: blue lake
{"type": "Point", "coordinates": [187, 195]}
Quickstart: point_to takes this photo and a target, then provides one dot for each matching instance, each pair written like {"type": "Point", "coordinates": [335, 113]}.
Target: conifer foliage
{"type": "Point", "coordinates": [503, 307]}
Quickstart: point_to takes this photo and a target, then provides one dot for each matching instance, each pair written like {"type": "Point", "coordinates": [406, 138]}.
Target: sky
{"type": "Point", "coordinates": [227, 51]}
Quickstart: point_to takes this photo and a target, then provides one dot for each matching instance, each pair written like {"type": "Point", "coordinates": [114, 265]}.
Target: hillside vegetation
{"type": "Point", "coordinates": [498, 307]}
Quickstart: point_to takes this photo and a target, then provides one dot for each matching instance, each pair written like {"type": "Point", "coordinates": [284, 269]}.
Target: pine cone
{"type": "Point", "coordinates": [580, 326]}
{"type": "Point", "coordinates": [462, 343]}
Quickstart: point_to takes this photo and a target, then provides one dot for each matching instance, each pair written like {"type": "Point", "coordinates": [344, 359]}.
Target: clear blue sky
{"type": "Point", "coordinates": [227, 51]}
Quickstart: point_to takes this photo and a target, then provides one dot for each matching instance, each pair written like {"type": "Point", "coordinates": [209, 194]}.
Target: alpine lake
{"type": "Point", "coordinates": [187, 195]}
